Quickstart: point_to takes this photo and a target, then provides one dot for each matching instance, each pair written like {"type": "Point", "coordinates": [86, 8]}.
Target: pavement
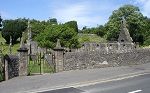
{"type": "Point", "coordinates": [67, 79]}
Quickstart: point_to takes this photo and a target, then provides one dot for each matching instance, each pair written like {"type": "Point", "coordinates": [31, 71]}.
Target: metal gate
{"type": "Point", "coordinates": [40, 63]}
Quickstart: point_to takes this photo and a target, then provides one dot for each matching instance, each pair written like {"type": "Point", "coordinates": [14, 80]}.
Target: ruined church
{"type": "Point", "coordinates": [124, 43]}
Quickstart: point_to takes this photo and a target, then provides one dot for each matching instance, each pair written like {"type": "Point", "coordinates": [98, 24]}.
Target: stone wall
{"type": "Point", "coordinates": [12, 69]}
{"type": "Point", "coordinates": [106, 47]}
{"type": "Point", "coordinates": [97, 59]}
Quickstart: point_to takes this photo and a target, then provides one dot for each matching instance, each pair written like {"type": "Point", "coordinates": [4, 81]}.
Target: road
{"type": "Point", "coordinates": [78, 78]}
{"type": "Point", "coordinates": [139, 84]}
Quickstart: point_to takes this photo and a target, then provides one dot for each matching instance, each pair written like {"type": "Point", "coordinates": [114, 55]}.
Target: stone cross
{"type": "Point", "coordinates": [29, 36]}
{"type": "Point", "coordinates": [123, 22]}
{"type": "Point", "coordinates": [22, 40]}
{"type": "Point", "coordinates": [10, 44]}
{"type": "Point", "coordinates": [29, 30]}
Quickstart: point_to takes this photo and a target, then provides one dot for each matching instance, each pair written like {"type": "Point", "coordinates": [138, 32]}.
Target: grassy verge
{"type": "Point", "coordinates": [5, 47]}
{"type": "Point", "coordinates": [35, 67]}
{"type": "Point", "coordinates": [146, 46]}
{"type": "Point", "coordinates": [91, 38]}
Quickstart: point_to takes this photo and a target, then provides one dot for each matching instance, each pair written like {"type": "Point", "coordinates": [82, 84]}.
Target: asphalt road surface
{"type": "Point", "coordinates": [139, 84]}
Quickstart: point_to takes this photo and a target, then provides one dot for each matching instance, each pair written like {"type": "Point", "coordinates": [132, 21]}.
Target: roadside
{"type": "Point", "coordinates": [71, 79]}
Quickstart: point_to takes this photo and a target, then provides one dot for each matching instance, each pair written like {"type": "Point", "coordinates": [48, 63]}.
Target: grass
{"type": "Point", "coordinates": [35, 67]}
{"type": "Point", "coordinates": [82, 38]}
{"type": "Point", "coordinates": [146, 46]}
{"type": "Point", "coordinates": [91, 38]}
{"type": "Point", "coordinates": [5, 47]}
{"type": "Point", "coordinates": [2, 39]}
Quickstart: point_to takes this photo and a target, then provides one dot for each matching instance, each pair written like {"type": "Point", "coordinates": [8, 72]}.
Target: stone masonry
{"type": "Point", "coordinates": [23, 60]}
{"type": "Point", "coordinates": [97, 59]}
{"type": "Point", "coordinates": [11, 66]}
{"type": "Point", "coordinates": [97, 55]}
{"type": "Point", "coordinates": [59, 57]}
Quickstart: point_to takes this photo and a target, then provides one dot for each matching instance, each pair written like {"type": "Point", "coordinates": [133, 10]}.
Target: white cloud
{"type": "Point", "coordinates": [70, 12]}
{"type": "Point", "coordinates": [83, 13]}
{"type": "Point", "coordinates": [145, 5]}
{"type": "Point", "coordinates": [86, 13]}
{"type": "Point", "coordinates": [78, 12]}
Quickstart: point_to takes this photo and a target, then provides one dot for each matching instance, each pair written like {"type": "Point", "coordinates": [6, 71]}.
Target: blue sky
{"type": "Point", "coordinates": [88, 13]}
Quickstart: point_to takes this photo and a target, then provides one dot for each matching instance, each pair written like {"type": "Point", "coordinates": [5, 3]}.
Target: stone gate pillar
{"type": "Point", "coordinates": [23, 60]}
{"type": "Point", "coordinates": [58, 57]}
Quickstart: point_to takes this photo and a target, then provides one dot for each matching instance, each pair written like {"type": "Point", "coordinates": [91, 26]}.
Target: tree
{"type": "Point", "coordinates": [86, 30]}
{"type": "Point", "coordinates": [0, 23]}
{"type": "Point", "coordinates": [135, 21]}
{"type": "Point", "coordinates": [99, 30]}
{"type": "Point", "coordinates": [52, 21]}
{"type": "Point", "coordinates": [147, 32]}
{"type": "Point", "coordinates": [67, 36]}
{"type": "Point", "coordinates": [37, 27]}
{"type": "Point", "coordinates": [73, 25]}
{"type": "Point", "coordinates": [13, 28]}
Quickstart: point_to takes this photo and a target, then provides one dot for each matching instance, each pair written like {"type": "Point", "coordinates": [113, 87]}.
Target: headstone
{"type": "Point", "coordinates": [10, 45]}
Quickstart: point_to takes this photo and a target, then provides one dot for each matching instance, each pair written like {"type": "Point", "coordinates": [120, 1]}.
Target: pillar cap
{"type": "Point", "coordinates": [23, 48]}
{"type": "Point", "coordinates": [58, 46]}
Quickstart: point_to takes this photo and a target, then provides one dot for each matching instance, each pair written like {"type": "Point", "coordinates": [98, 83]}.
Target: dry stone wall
{"type": "Point", "coordinates": [13, 66]}
{"type": "Point", "coordinates": [97, 59]}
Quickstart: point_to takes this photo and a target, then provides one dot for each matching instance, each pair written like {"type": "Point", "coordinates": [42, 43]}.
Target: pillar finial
{"type": "Point", "coordinates": [58, 43]}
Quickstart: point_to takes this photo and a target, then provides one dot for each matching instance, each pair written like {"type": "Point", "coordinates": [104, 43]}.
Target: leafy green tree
{"type": "Point", "coordinates": [13, 28]}
{"type": "Point", "coordinates": [85, 27]}
{"type": "Point", "coordinates": [147, 32]}
{"type": "Point", "coordinates": [37, 27]}
{"type": "Point", "coordinates": [49, 37]}
{"type": "Point", "coordinates": [100, 30]}
{"type": "Point", "coordinates": [52, 21]}
{"type": "Point", "coordinates": [0, 23]}
{"type": "Point", "coordinates": [73, 25]}
{"type": "Point", "coordinates": [135, 21]}
{"type": "Point", "coordinates": [86, 30]}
